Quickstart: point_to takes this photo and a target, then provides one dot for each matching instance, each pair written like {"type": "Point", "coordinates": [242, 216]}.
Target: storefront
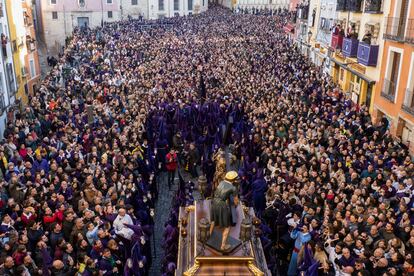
{"type": "Point", "coordinates": [352, 79]}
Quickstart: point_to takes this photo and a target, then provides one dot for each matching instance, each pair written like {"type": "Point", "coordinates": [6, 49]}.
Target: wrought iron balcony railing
{"type": "Point", "coordinates": [373, 6]}
{"type": "Point", "coordinates": [303, 12]}
{"type": "Point", "coordinates": [341, 5]}
{"type": "Point", "coordinates": [394, 28]}
{"type": "Point", "coordinates": [349, 5]}
{"type": "Point", "coordinates": [408, 104]}
{"type": "Point", "coordinates": [388, 90]}
{"type": "Point", "coordinates": [354, 5]}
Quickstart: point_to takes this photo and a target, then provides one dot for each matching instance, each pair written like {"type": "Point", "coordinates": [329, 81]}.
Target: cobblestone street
{"type": "Point", "coordinates": [162, 212]}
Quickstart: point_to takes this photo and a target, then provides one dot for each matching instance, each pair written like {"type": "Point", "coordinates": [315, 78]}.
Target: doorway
{"type": "Point", "coordinates": [83, 22]}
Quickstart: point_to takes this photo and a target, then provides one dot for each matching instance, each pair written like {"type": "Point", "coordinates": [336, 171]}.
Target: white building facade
{"type": "Point", "coordinates": [171, 8]}
{"type": "Point", "coordinates": [262, 4]}
{"type": "Point", "coordinates": [327, 18]}
{"type": "Point", "coordinates": [58, 18]}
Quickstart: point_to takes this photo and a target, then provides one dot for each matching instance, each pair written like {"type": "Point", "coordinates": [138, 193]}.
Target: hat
{"type": "Point", "coordinates": [231, 175]}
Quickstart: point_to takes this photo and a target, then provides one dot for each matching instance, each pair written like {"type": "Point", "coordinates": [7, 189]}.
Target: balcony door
{"type": "Point", "coordinates": [394, 72]}
{"type": "Point", "coordinates": [83, 22]}
{"type": "Point", "coordinates": [402, 11]}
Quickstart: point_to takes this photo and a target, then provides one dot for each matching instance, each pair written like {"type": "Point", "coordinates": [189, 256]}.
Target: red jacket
{"type": "Point", "coordinates": [26, 220]}
{"type": "Point", "coordinates": [171, 162]}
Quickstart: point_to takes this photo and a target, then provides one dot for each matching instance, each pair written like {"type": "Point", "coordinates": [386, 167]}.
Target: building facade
{"type": "Point", "coordinates": [357, 46]}
{"type": "Point", "coordinates": [8, 83]}
{"type": "Point", "coordinates": [60, 17]}
{"type": "Point", "coordinates": [17, 38]}
{"type": "Point", "coordinates": [322, 18]}
{"type": "Point", "coordinates": [31, 69]}
{"type": "Point", "coordinates": [170, 8]}
{"type": "Point", "coordinates": [394, 94]}
{"type": "Point", "coordinates": [303, 33]}
{"type": "Point", "coordinates": [292, 4]}
{"type": "Point", "coordinates": [262, 4]}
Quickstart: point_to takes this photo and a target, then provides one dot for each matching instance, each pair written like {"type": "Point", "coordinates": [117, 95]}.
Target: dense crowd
{"type": "Point", "coordinates": [80, 164]}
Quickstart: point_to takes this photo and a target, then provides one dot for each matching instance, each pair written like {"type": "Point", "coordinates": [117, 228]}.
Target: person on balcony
{"type": "Point", "coordinates": [337, 30]}
{"type": "Point", "coordinates": [367, 38]}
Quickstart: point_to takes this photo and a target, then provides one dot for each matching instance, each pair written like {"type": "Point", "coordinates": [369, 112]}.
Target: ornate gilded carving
{"type": "Point", "coordinates": [190, 208]}
{"type": "Point", "coordinates": [192, 270]}
{"type": "Point", "coordinates": [254, 269]}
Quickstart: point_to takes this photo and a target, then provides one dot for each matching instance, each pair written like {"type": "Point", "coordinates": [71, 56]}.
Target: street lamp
{"type": "Point", "coordinates": [245, 234]}
{"type": "Point", "coordinates": [202, 185]}
{"type": "Point", "coordinates": [203, 233]}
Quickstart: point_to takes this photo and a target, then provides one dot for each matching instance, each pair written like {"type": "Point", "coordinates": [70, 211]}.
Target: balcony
{"type": "Point", "coordinates": [367, 54]}
{"type": "Point", "coordinates": [303, 12]}
{"type": "Point", "coordinates": [350, 47]}
{"type": "Point", "coordinates": [337, 41]}
{"type": "Point", "coordinates": [409, 35]}
{"type": "Point", "coordinates": [394, 28]}
{"type": "Point", "coordinates": [388, 90]}
{"type": "Point", "coordinates": [341, 5]}
{"type": "Point", "coordinates": [408, 104]}
{"type": "Point", "coordinates": [354, 5]}
{"type": "Point", "coordinates": [373, 6]}
{"type": "Point", "coordinates": [349, 5]}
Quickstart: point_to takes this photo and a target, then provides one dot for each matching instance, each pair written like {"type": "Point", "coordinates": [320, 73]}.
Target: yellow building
{"type": "Point", "coordinates": [356, 60]}
{"type": "Point", "coordinates": [17, 32]}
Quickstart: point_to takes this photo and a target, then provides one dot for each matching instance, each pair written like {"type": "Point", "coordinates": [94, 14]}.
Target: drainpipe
{"type": "Point", "coordinates": [64, 19]}
{"type": "Point", "coordinates": [102, 20]}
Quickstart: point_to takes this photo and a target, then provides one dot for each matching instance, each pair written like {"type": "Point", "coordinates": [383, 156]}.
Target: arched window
{"type": "Point", "coordinates": [81, 3]}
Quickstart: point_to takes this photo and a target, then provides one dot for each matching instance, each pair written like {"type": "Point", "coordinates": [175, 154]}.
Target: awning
{"type": "Point", "coordinates": [362, 76]}
{"type": "Point", "coordinates": [289, 28]}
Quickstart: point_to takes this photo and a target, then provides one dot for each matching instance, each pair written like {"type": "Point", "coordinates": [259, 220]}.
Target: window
{"type": "Point", "coordinates": [53, 2]}
{"type": "Point", "coordinates": [160, 5]}
{"type": "Point", "coordinates": [190, 5]}
{"type": "Point", "coordinates": [134, 2]}
{"type": "Point", "coordinates": [176, 5]}
{"type": "Point", "coordinates": [325, 24]}
{"type": "Point", "coordinates": [14, 46]}
{"type": "Point", "coordinates": [389, 86]}
{"type": "Point", "coordinates": [81, 3]}
{"type": "Point", "coordinates": [109, 1]}
{"type": "Point", "coordinates": [110, 14]}
{"type": "Point", "coordinates": [2, 101]}
{"type": "Point", "coordinates": [1, 10]}
{"type": "Point", "coordinates": [408, 104]}
{"type": "Point", "coordinates": [54, 15]}
{"type": "Point", "coordinates": [10, 76]}
{"type": "Point", "coordinates": [32, 68]}
{"type": "Point", "coordinates": [313, 17]}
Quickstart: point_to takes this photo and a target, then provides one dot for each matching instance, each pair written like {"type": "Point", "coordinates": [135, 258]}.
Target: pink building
{"type": "Point", "coordinates": [293, 4]}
